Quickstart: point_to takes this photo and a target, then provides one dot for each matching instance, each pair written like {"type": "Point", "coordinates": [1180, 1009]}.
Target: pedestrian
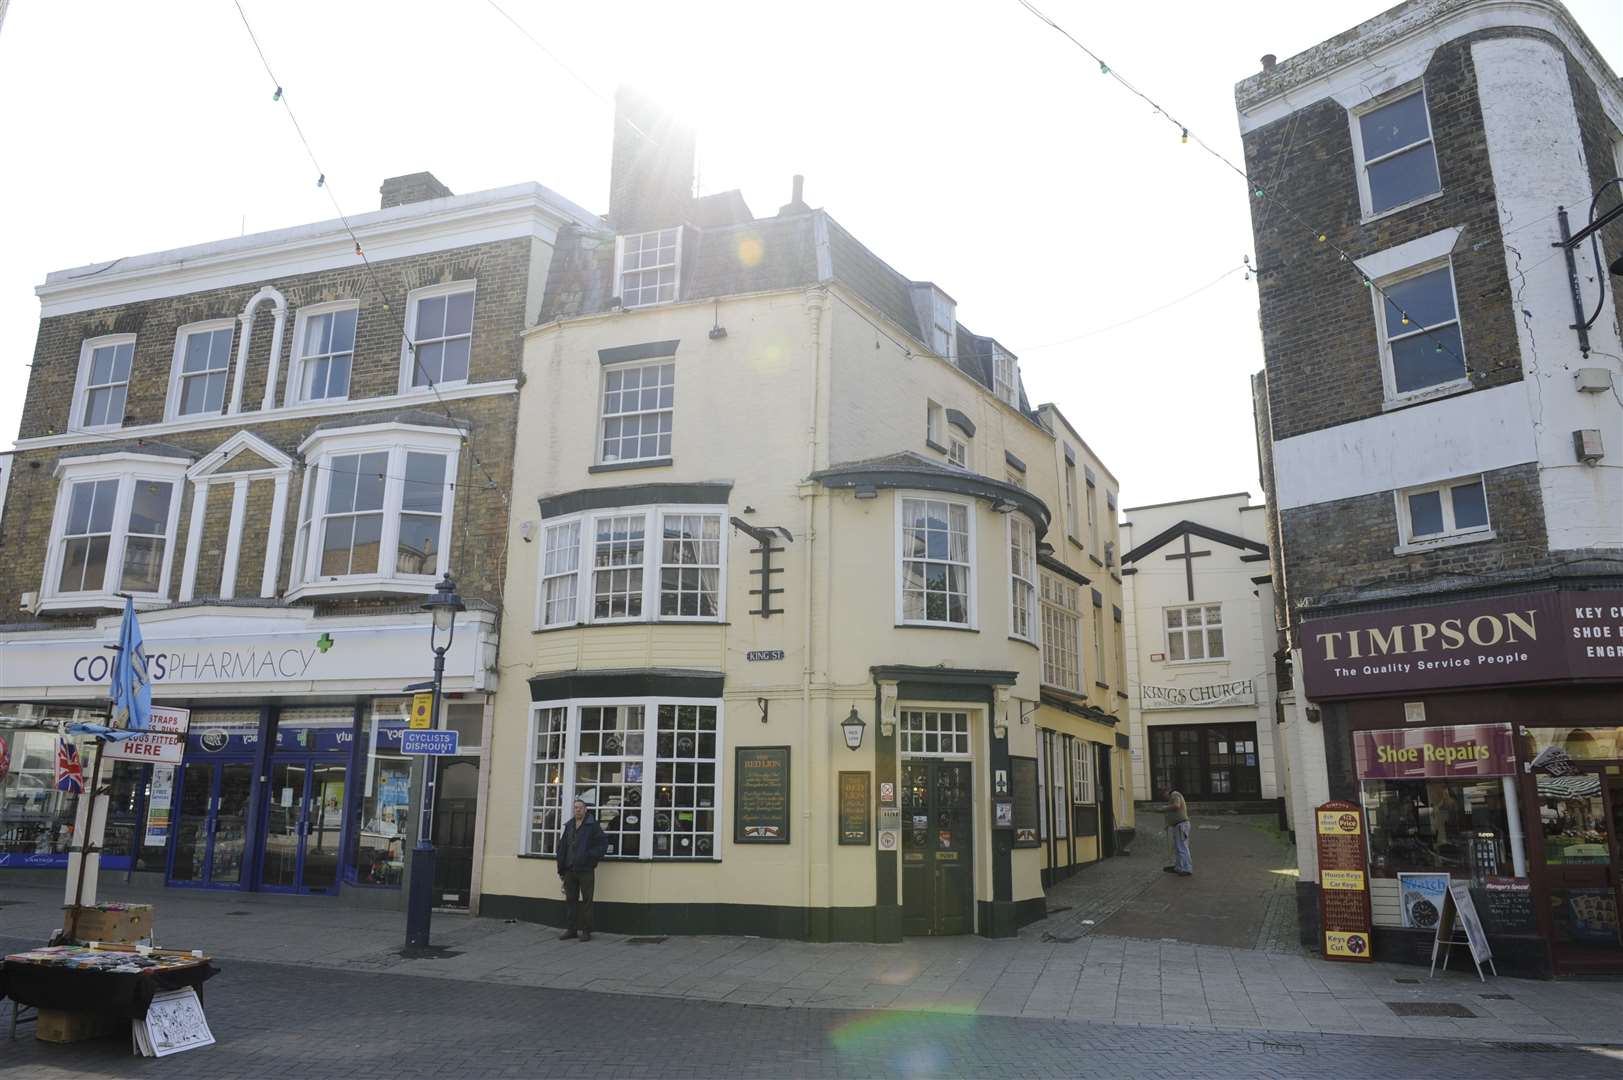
{"type": "Point", "coordinates": [579, 849]}
{"type": "Point", "coordinates": [1177, 826]}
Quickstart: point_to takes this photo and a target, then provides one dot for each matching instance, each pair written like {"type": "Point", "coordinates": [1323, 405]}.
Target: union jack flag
{"type": "Point", "coordinates": [70, 771]}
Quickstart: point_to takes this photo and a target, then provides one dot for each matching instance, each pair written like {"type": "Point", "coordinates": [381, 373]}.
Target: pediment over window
{"type": "Point", "coordinates": [242, 453]}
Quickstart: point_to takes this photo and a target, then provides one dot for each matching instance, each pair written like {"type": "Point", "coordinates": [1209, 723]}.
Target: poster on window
{"type": "Point", "coordinates": [1421, 898]}
{"type": "Point", "coordinates": [158, 804]}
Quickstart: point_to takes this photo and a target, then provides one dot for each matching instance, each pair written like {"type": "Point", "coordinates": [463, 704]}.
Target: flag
{"type": "Point", "coordinates": [70, 772]}
{"type": "Point", "coordinates": [131, 689]}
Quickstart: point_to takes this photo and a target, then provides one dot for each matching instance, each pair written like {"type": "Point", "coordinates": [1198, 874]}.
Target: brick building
{"type": "Point", "coordinates": [1443, 452]}
{"type": "Point", "coordinates": [276, 449]}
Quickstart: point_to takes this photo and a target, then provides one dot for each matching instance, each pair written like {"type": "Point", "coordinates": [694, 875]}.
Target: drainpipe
{"type": "Point", "coordinates": [247, 321]}
{"type": "Point", "coordinates": [808, 494]}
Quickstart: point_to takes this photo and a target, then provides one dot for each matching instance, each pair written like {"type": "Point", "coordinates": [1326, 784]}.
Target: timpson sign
{"type": "Point", "coordinates": [1531, 637]}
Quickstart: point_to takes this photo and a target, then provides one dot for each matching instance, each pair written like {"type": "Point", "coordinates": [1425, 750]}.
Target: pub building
{"type": "Point", "coordinates": [1484, 740]}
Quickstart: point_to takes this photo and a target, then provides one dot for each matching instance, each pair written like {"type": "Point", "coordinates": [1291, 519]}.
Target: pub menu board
{"type": "Point", "coordinates": [1344, 912]}
{"type": "Point", "coordinates": [1506, 905]}
{"type": "Point", "coordinates": [856, 808]}
{"type": "Point", "coordinates": [761, 795]}
{"type": "Point", "coordinates": [1023, 777]}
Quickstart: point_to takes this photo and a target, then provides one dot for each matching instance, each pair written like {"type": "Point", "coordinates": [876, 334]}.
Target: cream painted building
{"type": "Point", "coordinates": [1202, 646]}
{"type": "Point", "coordinates": [782, 535]}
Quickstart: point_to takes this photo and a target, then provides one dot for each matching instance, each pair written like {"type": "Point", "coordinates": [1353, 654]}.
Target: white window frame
{"type": "Point", "coordinates": [1389, 378]}
{"type": "Point", "coordinates": [1099, 646]}
{"type": "Point", "coordinates": [1184, 629]}
{"type": "Point", "coordinates": [650, 759]}
{"type": "Point", "coordinates": [1055, 613]}
{"type": "Point", "coordinates": [81, 384]}
{"type": "Point", "coordinates": [1072, 524]}
{"type": "Point", "coordinates": [935, 425]}
{"type": "Point", "coordinates": [1023, 587]}
{"type": "Point", "coordinates": [675, 264]}
{"type": "Point", "coordinates": [1451, 534]}
{"type": "Point", "coordinates": [601, 428]}
{"type": "Point", "coordinates": [171, 410]}
{"type": "Point", "coordinates": [128, 469]}
{"type": "Point", "coordinates": [971, 607]}
{"type": "Point", "coordinates": [907, 713]}
{"type": "Point", "coordinates": [1092, 498]}
{"type": "Point", "coordinates": [653, 528]}
{"type": "Point", "coordinates": [294, 394]}
{"type": "Point", "coordinates": [407, 343]}
{"type": "Point", "coordinates": [1082, 792]}
{"type": "Point", "coordinates": [1361, 165]}
{"type": "Point", "coordinates": [958, 451]}
{"type": "Point", "coordinates": [1006, 378]}
{"type": "Point", "coordinates": [396, 440]}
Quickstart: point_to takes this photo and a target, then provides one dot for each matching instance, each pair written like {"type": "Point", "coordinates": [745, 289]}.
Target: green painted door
{"type": "Point", "coordinates": [938, 847]}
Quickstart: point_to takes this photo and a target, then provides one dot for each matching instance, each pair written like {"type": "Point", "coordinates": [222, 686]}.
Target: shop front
{"type": "Point", "coordinates": [1497, 763]}
{"type": "Point", "coordinates": [291, 779]}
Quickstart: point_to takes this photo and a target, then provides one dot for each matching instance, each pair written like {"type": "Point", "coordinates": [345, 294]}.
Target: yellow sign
{"type": "Point", "coordinates": [1342, 879]}
{"type": "Point", "coordinates": [1340, 944]}
{"type": "Point", "coordinates": [422, 710]}
{"type": "Point", "coordinates": [1340, 823]}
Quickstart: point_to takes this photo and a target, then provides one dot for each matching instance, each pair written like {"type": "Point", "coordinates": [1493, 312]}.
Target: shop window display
{"type": "Point", "coordinates": [36, 819]}
{"type": "Point", "coordinates": [385, 798]}
{"type": "Point", "coordinates": [1453, 825]}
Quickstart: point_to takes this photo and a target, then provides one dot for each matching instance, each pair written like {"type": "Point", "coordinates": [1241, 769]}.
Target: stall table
{"type": "Point", "coordinates": [112, 981]}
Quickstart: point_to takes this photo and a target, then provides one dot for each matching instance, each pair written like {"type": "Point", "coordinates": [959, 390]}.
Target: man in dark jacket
{"type": "Point", "coordinates": [579, 848]}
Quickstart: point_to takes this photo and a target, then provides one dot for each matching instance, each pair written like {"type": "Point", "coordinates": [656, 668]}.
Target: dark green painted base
{"type": "Point", "coordinates": [1004, 918]}
{"type": "Point", "coordinates": [757, 920]}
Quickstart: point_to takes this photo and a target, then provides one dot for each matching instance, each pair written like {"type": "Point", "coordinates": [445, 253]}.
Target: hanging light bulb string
{"type": "Point", "coordinates": [1272, 199]}
{"type": "Point", "coordinates": [280, 96]}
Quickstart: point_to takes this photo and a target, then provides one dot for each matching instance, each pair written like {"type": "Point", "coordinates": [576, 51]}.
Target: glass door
{"type": "Point", "coordinates": [211, 820]}
{"type": "Point", "coordinates": [304, 826]}
{"type": "Point", "coordinates": [1578, 819]}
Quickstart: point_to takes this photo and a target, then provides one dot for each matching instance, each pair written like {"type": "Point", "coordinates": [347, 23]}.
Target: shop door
{"type": "Point", "coordinates": [456, 800]}
{"type": "Point", "coordinates": [211, 824]}
{"type": "Point", "coordinates": [1579, 820]}
{"type": "Point", "coordinates": [938, 846]}
{"type": "Point", "coordinates": [1175, 761]}
{"type": "Point", "coordinates": [304, 826]}
{"type": "Point", "coordinates": [1105, 795]}
{"type": "Point", "coordinates": [1231, 762]}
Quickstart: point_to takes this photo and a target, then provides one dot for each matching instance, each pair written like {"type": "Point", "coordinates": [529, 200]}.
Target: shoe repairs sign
{"type": "Point", "coordinates": [1344, 911]}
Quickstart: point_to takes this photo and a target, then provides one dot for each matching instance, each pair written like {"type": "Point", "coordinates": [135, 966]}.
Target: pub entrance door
{"type": "Point", "coordinates": [456, 802]}
{"type": "Point", "coordinates": [938, 847]}
{"type": "Point", "coordinates": [1581, 817]}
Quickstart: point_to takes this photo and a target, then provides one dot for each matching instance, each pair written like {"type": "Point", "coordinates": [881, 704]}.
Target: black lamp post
{"type": "Point", "coordinates": [444, 606]}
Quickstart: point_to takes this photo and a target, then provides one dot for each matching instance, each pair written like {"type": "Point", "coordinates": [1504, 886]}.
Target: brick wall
{"type": "Point", "coordinates": [1318, 321]}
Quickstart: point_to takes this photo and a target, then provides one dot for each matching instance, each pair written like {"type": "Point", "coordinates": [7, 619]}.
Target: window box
{"type": "Point", "coordinates": [634, 564]}
{"type": "Point", "coordinates": [1442, 515]}
{"type": "Point", "coordinates": [438, 347]}
{"type": "Point", "coordinates": [649, 767]}
{"type": "Point", "coordinates": [113, 530]}
{"type": "Point", "coordinates": [1395, 155]}
{"type": "Point", "coordinates": [935, 550]}
{"type": "Point", "coordinates": [375, 510]}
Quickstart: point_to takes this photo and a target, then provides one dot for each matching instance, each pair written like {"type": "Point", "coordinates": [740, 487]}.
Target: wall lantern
{"type": "Point", "coordinates": [852, 727]}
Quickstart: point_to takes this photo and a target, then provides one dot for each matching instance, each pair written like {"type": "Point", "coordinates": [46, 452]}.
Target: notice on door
{"type": "Point", "coordinates": [1344, 911]}
{"type": "Point", "coordinates": [761, 801]}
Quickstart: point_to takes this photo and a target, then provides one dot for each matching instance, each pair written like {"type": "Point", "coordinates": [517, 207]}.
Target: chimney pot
{"type": "Point", "coordinates": [1268, 61]}
{"type": "Point", "coordinates": [411, 188]}
{"type": "Point", "coordinates": [800, 186]}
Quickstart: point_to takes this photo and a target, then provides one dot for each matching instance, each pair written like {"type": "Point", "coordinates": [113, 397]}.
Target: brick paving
{"type": "Point", "coordinates": [288, 1020]}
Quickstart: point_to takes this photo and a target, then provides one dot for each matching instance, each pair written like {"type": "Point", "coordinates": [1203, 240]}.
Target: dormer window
{"type": "Point", "coordinates": [1006, 378]}
{"type": "Point", "coordinates": [646, 267]}
{"type": "Point", "coordinates": [938, 318]}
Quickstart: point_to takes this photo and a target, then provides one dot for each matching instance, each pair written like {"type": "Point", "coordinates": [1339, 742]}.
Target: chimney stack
{"type": "Point", "coordinates": [651, 173]}
{"type": "Point", "coordinates": [411, 188]}
{"type": "Point", "coordinates": [796, 204]}
{"type": "Point", "coordinates": [1268, 61]}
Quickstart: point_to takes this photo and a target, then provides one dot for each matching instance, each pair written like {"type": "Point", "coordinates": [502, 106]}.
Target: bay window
{"type": "Point", "coordinates": [1062, 633]}
{"type": "Point", "coordinates": [1022, 579]}
{"type": "Point", "coordinates": [936, 550]}
{"type": "Point", "coordinates": [639, 564]}
{"type": "Point", "coordinates": [375, 509]}
{"type": "Point", "coordinates": [113, 529]}
{"type": "Point", "coordinates": [650, 768]}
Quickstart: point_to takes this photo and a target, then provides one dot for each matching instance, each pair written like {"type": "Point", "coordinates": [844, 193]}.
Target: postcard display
{"type": "Point", "coordinates": [156, 989]}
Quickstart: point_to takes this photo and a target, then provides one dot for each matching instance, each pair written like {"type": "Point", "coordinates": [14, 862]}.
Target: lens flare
{"type": "Point", "coordinates": [750, 251]}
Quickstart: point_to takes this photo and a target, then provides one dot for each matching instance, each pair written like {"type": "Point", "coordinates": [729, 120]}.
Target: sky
{"type": "Point", "coordinates": [963, 141]}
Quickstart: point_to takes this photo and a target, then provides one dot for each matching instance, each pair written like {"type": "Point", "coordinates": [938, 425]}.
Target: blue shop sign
{"type": "Point", "coordinates": [434, 743]}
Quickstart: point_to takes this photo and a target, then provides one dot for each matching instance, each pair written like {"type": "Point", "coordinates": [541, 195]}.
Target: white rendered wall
{"type": "Point", "coordinates": [1538, 163]}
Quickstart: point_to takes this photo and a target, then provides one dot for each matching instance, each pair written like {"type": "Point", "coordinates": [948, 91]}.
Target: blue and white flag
{"type": "Point", "coordinates": [131, 690]}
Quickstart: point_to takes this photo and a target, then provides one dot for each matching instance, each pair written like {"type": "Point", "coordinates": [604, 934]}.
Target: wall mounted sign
{"type": "Point", "coordinates": [856, 808]}
{"type": "Point", "coordinates": [163, 743]}
{"type": "Point", "coordinates": [1023, 780]}
{"type": "Point", "coordinates": [1344, 911]}
{"type": "Point", "coordinates": [1210, 696]}
{"type": "Point", "coordinates": [429, 743]}
{"type": "Point", "coordinates": [761, 795]}
{"type": "Point", "coordinates": [763, 654]}
{"type": "Point", "coordinates": [1533, 637]}
{"type": "Point", "coordinates": [1435, 753]}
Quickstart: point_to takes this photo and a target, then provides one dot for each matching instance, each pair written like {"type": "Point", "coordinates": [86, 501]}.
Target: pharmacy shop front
{"type": "Point", "coordinates": [1496, 764]}
{"type": "Point", "coordinates": [291, 779]}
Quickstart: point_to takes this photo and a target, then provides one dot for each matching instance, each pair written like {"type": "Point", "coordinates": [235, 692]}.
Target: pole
{"type": "Point", "coordinates": [420, 896]}
{"type": "Point", "coordinates": [86, 846]}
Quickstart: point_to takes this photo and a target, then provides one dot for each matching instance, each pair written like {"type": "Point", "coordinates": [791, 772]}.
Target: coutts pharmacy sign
{"type": "Point", "coordinates": [1344, 913]}
{"type": "Point", "coordinates": [1529, 637]}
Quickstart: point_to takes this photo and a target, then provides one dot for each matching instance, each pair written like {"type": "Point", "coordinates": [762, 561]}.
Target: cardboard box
{"type": "Point", "coordinates": [124, 923]}
{"type": "Point", "coordinates": [56, 1026]}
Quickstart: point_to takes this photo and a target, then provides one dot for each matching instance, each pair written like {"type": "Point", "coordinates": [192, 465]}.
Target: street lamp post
{"type": "Point", "coordinates": [444, 606]}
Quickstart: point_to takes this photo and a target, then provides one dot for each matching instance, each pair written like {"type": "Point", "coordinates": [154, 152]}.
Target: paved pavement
{"type": "Point", "coordinates": [1066, 967]}
{"type": "Point", "coordinates": [287, 1020]}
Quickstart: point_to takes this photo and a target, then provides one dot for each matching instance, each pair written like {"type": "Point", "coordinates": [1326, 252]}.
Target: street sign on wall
{"type": "Point", "coordinates": [430, 743]}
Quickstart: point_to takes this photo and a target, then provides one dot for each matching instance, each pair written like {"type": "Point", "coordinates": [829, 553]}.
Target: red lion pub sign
{"type": "Point", "coordinates": [1344, 914]}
